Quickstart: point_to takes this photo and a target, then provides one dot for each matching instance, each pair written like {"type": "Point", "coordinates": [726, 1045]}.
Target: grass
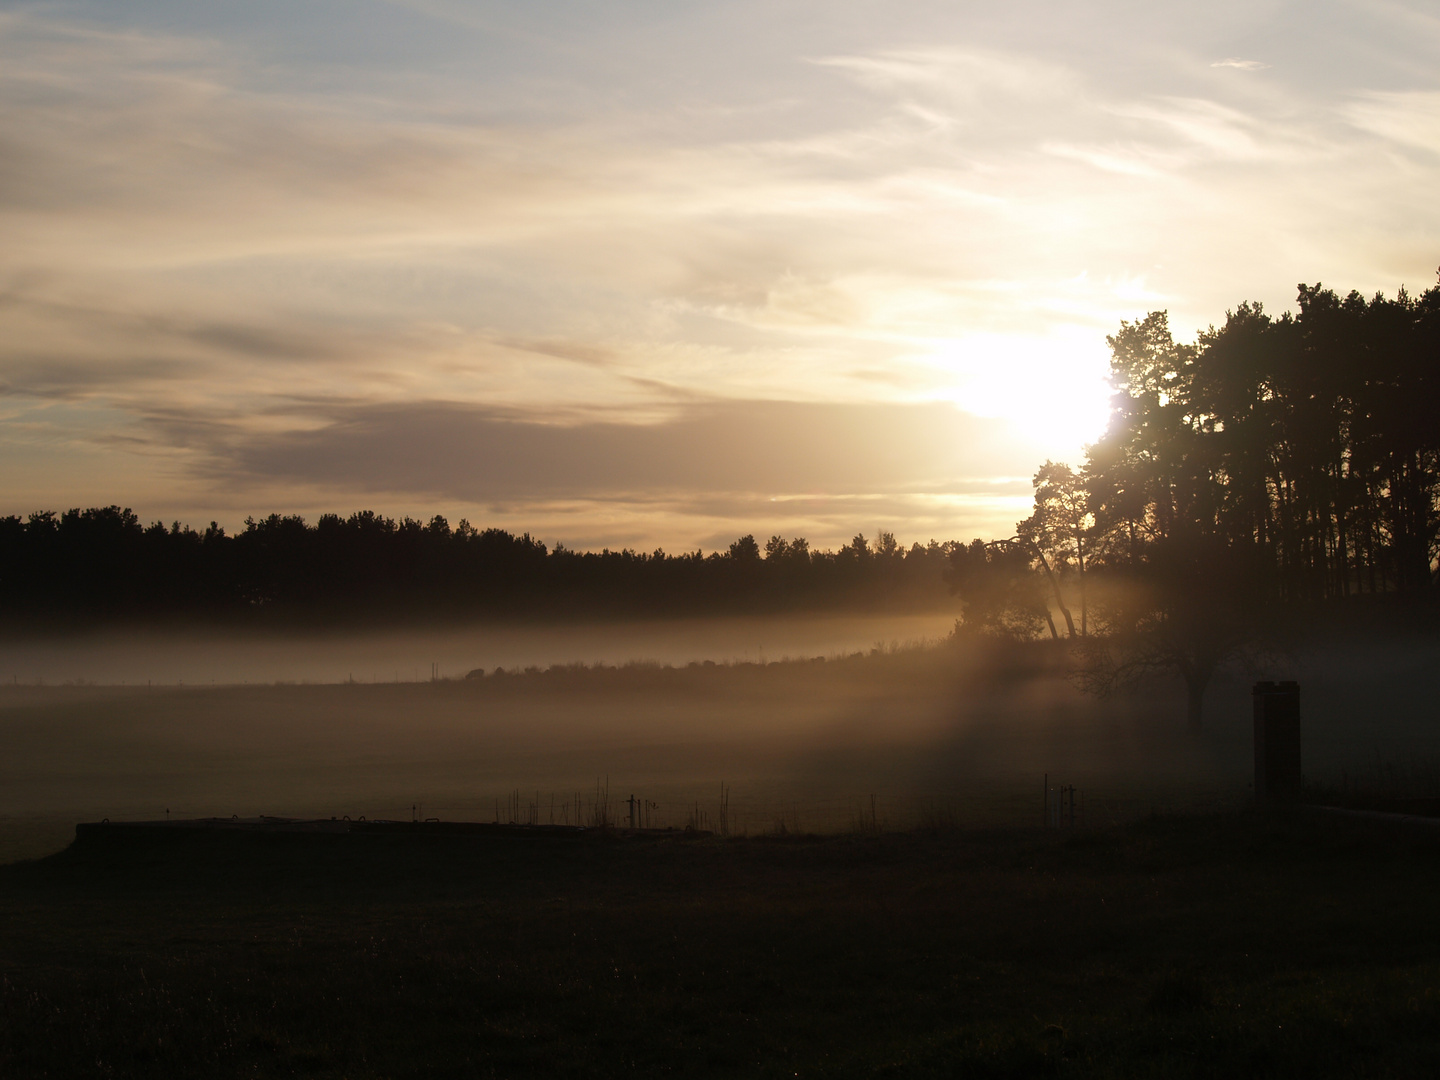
{"type": "Point", "coordinates": [1410, 787]}
{"type": "Point", "coordinates": [927, 732]}
{"type": "Point", "coordinates": [1169, 947]}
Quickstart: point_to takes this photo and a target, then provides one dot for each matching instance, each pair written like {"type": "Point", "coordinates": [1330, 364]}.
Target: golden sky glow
{"type": "Point", "coordinates": [658, 273]}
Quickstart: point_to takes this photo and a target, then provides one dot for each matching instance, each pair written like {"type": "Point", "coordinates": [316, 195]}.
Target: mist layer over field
{"type": "Point", "coordinates": [884, 738]}
{"type": "Point", "coordinates": [204, 657]}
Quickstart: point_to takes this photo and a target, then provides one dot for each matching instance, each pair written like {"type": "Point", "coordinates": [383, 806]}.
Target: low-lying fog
{"type": "Point", "coordinates": [132, 658]}
{"type": "Point", "coordinates": [892, 737]}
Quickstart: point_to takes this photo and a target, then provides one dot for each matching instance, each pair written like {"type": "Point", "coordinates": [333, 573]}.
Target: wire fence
{"type": "Point", "coordinates": [722, 810]}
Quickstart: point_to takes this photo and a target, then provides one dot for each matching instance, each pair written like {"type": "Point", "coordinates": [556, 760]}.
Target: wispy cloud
{"type": "Point", "coordinates": [958, 75]}
{"type": "Point", "coordinates": [208, 235]}
{"type": "Point", "coordinates": [1242, 65]}
{"type": "Point", "coordinates": [1409, 118]}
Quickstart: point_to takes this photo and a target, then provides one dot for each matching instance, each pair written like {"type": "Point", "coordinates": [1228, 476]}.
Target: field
{"type": "Point", "coordinates": [1207, 945]}
{"type": "Point", "coordinates": [892, 737]}
{"type": "Point", "coordinates": [803, 745]}
{"type": "Point", "coordinates": [875, 896]}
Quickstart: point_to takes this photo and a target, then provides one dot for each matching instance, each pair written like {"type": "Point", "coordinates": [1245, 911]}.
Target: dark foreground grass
{"type": "Point", "coordinates": [1174, 947]}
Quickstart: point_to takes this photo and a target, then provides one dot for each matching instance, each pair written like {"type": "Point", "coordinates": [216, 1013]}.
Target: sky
{"type": "Point", "coordinates": [659, 273]}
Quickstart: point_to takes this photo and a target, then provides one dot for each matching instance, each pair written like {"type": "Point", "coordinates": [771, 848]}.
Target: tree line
{"type": "Point", "coordinates": [102, 565]}
{"type": "Point", "coordinates": [1271, 470]}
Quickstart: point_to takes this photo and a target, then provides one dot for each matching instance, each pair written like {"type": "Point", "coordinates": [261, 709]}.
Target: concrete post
{"type": "Point", "coordinates": [1277, 741]}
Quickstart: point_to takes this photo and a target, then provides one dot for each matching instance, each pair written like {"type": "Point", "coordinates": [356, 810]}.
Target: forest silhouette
{"type": "Point", "coordinates": [1276, 470]}
{"type": "Point", "coordinates": [101, 565]}
{"type": "Point", "coordinates": [1274, 467]}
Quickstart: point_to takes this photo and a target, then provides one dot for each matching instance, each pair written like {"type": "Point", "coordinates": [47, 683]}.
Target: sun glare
{"type": "Point", "coordinates": [1052, 389]}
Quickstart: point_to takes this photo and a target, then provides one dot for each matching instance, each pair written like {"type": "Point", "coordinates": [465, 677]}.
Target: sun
{"type": "Point", "coordinates": [1052, 388]}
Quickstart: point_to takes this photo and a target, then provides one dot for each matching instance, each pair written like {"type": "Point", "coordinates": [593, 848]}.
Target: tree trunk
{"type": "Point", "coordinates": [1197, 672]}
{"type": "Point", "coordinates": [1055, 588]}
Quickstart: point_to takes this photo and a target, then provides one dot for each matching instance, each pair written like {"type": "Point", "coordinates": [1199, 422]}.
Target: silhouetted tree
{"type": "Point", "coordinates": [1058, 532]}
{"type": "Point", "coordinates": [745, 550]}
{"type": "Point", "coordinates": [1276, 464]}
{"type": "Point", "coordinates": [1000, 592]}
{"type": "Point", "coordinates": [1186, 609]}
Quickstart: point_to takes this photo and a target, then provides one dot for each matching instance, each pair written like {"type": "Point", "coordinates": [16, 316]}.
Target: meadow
{"type": "Point", "coordinates": [873, 895]}
{"type": "Point", "coordinates": [1223, 944]}
{"type": "Point", "coordinates": [890, 737]}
